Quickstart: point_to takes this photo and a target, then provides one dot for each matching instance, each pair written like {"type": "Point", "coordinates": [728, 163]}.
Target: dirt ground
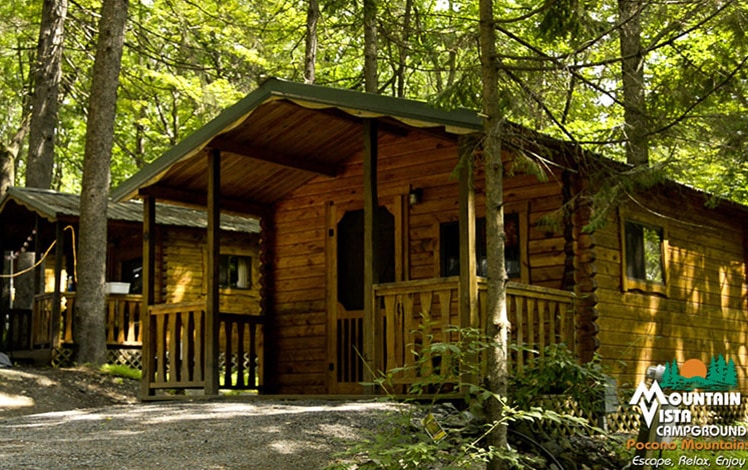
{"type": "Point", "coordinates": [28, 390]}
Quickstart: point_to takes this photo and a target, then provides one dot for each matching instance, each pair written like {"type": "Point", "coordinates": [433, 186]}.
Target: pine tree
{"type": "Point", "coordinates": [669, 377]}
{"type": "Point", "coordinates": [731, 375]}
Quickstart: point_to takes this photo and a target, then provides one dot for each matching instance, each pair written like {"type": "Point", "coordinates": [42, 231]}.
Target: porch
{"type": "Point", "coordinates": [414, 315]}
{"type": "Point", "coordinates": [45, 333]}
{"type": "Point", "coordinates": [418, 314]}
{"type": "Point", "coordinates": [177, 334]}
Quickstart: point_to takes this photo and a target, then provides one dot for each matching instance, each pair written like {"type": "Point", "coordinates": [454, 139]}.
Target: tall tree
{"type": "Point", "coordinates": [496, 321]}
{"type": "Point", "coordinates": [46, 74]}
{"type": "Point", "coordinates": [371, 84]}
{"type": "Point", "coordinates": [636, 128]}
{"type": "Point", "coordinates": [310, 54]}
{"type": "Point", "coordinates": [90, 306]}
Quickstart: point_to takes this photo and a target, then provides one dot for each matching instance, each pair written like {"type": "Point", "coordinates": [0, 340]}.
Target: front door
{"type": "Point", "coordinates": [346, 291]}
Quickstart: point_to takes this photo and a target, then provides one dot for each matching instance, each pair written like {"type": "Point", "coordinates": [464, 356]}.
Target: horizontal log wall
{"type": "Point", "coordinates": [184, 268]}
{"type": "Point", "coordinates": [701, 313]}
{"type": "Point", "coordinates": [300, 259]}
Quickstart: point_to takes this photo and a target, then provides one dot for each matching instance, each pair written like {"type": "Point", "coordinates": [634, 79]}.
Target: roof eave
{"type": "Point", "coordinates": [456, 121]}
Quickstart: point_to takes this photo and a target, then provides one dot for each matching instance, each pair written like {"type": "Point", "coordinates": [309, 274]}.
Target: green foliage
{"type": "Point", "coordinates": [558, 372]}
{"type": "Point", "coordinates": [402, 441]}
{"type": "Point", "coordinates": [559, 66]}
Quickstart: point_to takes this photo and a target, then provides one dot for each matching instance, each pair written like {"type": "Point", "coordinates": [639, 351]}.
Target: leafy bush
{"type": "Point", "coordinates": [558, 372]}
{"type": "Point", "coordinates": [403, 442]}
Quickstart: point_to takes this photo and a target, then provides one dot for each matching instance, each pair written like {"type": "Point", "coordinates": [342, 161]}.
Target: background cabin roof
{"type": "Point", "coordinates": [279, 137]}
{"type": "Point", "coordinates": [54, 206]}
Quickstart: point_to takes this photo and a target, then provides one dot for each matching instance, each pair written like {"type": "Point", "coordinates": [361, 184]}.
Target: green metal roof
{"type": "Point", "coordinates": [414, 113]}
{"type": "Point", "coordinates": [53, 205]}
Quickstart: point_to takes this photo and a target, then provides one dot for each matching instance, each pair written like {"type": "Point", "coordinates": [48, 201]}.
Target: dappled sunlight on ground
{"type": "Point", "coordinates": [15, 401]}
{"type": "Point", "coordinates": [255, 434]}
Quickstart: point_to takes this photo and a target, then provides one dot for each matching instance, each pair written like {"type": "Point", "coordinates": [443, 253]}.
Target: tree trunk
{"type": "Point", "coordinates": [90, 303]}
{"type": "Point", "coordinates": [636, 124]}
{"type": "Point", "coordinates": [8, 157]}
{"type": "Point", "coordinates": [404, 48]}
{"type": "Point", "coordinates": [310, 55]}
{"type": "Point", "coordinates": [47, 72]}
{"type": "Point", "coordinates": [497, 323]}
{"type": "Point", "coordinates": [370, 46]}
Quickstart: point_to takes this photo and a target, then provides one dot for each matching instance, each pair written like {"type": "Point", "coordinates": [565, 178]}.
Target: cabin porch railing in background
{"type": "Point", "coordinates": [123, 329]}
{"type": "Point", "coordinates": [176, 356]}
{"type": "Point", "coordinates": [418, 314]}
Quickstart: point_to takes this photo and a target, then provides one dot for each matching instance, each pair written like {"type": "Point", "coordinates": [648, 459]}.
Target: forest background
{"type": "Point", "coordinates": [560, 65]}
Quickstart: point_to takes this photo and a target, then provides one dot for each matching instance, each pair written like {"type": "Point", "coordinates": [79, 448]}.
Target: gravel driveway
{"type": "Point", "coordinates": [261, 434]}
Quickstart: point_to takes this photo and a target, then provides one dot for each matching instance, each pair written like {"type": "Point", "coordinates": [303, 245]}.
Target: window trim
{"type": "Point", "coordinates": [646, 286]}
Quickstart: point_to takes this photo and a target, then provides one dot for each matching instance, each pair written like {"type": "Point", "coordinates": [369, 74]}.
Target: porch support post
{"type": "Point", "coordinates": [214, 246]}
{"type": "Point", "coordinates": [372, 327]}
{"type": "Point", "coordinates": [38, 273]}
{"type": "Point", "coordinates": [469, 317]}
{"type": "Point", "coordinates": [148, 296]}
{"type": "Point", "coordinates": [468, 270]}
{"type": "Point", "coordinates": [56, 296]}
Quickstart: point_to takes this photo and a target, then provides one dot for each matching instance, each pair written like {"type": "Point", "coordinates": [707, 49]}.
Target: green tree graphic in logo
{"type": "Point", "coordinates": [721, 375]}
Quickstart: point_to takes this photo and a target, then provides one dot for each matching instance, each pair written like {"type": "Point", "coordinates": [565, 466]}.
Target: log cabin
{"type": "Point", "coordinates": [42, 225]}
{"type": "Point", "coordinates": [373, 246]}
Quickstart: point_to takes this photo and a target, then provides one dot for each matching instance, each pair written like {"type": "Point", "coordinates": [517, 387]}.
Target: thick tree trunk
{"type": "Point", "coordinates": [47, 72]}
{"type": "Point", "coordinates": [370, 46]}
{"type": "Point", "coordinates": [90, 302]}
{"type": "Point", "coordinates": [497, 323]}
{"type": "Point", "coordinates": [636, 124]}
{"type": "Point", "coordinates": [310, 55]}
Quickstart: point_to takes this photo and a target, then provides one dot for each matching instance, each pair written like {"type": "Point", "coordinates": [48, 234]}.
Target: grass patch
{"type": "Point", "coordinates": [121, 371]}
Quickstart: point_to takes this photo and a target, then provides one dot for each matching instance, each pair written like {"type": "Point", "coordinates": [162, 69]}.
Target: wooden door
{"type": "Point", "coordinates": [345, 293]}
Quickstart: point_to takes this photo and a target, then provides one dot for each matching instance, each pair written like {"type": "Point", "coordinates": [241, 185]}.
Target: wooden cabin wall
{"type": "Point", "coordinates": [185, 264]}
{"type": "Point", "coordinates": [701, 312]}
{"type": "Point", "coordinates": [301, 228]}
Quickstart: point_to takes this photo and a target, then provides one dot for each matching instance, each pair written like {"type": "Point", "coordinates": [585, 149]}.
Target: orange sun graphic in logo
{"type": "Point", "coordinates": [693, 368]}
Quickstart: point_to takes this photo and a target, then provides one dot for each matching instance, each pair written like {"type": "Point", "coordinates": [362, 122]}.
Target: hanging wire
{"type": "Point", "coordinates": [44, 256]}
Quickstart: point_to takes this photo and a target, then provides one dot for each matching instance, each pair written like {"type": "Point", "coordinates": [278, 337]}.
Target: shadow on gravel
{"type": "Point", "coordinates": [201, 435]}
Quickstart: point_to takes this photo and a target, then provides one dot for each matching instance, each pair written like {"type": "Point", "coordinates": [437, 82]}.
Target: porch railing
{"type": "Point", "coordinates": [123, 327]}
{"type": "Point", "coordinates": [176, 357]}
{"type": "Point", "coordinates": [419, 314]}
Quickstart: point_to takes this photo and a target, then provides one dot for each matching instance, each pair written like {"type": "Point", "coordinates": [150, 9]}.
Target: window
{"type": "Point", "coordinates": [644, 251]}
{"type": "Point", "coordinates": [132, 272]}
{"type": "Point", "coordinates": [450, 247]}
{"type": "Point", "coordinates": [350, 255]}
{"type": "Point", "coordinates": [234, 272]}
